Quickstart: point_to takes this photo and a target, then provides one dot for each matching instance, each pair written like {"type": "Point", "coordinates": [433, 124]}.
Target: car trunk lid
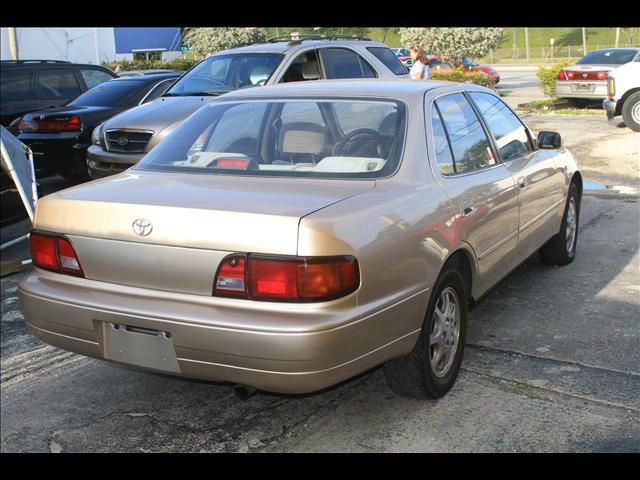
{"type": "Point", "coordinates": [170, 232]}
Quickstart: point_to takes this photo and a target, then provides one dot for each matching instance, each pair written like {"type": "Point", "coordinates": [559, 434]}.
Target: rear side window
{"type": "Point", "coordinates": [444, 158]}
{"type": "Point", "coordinates": [470, 145]}
{"type": "Point", "coordinates": [93, 77]}
{"type": "Point", "coordinates": [344, 63]}
{"type": "Point", "coordinates": [507, 130]}
{"type": "Point", "coordinates": [15, 85]}
{"type": "Point", "coordinates": [57, 83]}
{"type": "Point", "coordinates": [306, 66]}
{"type": "Point", "coordinates": [386, 56]}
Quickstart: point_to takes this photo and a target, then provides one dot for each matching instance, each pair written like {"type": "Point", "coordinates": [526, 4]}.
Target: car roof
{"type": "Point", "coordinates": [281, 47]}
{"type": "Point", "coordinates": [61, 63]}
{"type": "Point", "coordinates": [146, 78]}
{"type": "Point", "coordinates": [400, 89]}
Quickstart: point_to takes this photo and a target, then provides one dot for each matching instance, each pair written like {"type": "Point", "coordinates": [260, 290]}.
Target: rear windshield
{"type": "Point", "coordinates": [223, 73]}
{"type": "Point", "coordinates": [111, 93]}
{"type": "Point", "coordinates": [292, 138]}
{"type": "Point", "coordinates": [607, 57]}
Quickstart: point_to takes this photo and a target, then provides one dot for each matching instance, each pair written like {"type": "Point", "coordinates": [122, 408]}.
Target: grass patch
{"type": "Point", "coordinates": [558, 107]}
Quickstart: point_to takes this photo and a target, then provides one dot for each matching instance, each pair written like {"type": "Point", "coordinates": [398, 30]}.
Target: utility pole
{"type": "Point", "coordinates": [584, 41]}
{"type": "Point", "coordinates": [13, 43]}
{"type": "Point", "coordinates": [526, 41]}
{"type": "Point", "coordinates": [95, 42]}
{"type": "Point", "coordinates": [617, 37]}
{"type": "Point", "coordinates": [514, 43]}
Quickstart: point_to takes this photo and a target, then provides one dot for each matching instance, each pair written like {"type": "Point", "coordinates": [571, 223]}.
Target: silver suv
{"type": "Point", "coordinates": [124, 139]}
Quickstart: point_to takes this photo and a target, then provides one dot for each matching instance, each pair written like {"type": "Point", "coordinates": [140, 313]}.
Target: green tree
{"type": "Point", "coordinates": [210, 40]}
{"type": "Point", "coordinates": [453, 42]}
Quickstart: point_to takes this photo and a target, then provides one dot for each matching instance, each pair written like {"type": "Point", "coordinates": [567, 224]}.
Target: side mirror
{"type": "Point", "coordinates": [549, 140]}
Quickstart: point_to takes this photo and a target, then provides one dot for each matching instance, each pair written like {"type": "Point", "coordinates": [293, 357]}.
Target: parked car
{"type": "Point", "coordinates": [137, 73]}
{"type": "Point", "coordinates": [276, 61]}
{"type": "Point", "coordinates": [439, 63]}
{"type": "Point", "coordinates": [59, 137]}
{"type": "Point", "coordinates": [287, 238]}
{"type": "Point", "coordinates": [404, 55]}
{"type": "Point", "coordinates": [469, 65]}
{"type": "Point", "coordinates": [587, 79]}
{"type": "Point", "coordinates": [623, 94]}
{"type": "Point", "coordinates": [29, 85]}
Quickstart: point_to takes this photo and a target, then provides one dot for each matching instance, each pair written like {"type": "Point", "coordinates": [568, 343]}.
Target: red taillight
{"type": "Point", "coordinates": [294, 279]}
{"type": "Point", "coordinates": [71, 123]}
{"type": "Point", "coordinates": [54, 253]}
{"type": "Point", "coordinates": [601, 75]}
{"type": "Point", "coordinates": [570, 75]}
{"type": "Point", "coordinates": [562, 75]}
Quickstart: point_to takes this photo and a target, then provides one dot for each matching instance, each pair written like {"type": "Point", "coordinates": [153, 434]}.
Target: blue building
{"type": "Point", "coordinates": [138, 43]}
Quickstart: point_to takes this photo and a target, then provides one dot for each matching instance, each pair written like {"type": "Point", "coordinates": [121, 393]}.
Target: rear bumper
{"type": "Point", "coordinates": [609, 107]}
{"type": "Point", "coordinates": [56, 152]}
{"type": "Point", "coordinates": [102, 163]}
{"type": "Point", "coordinates": [570, 89]}
{"type": "Point", "coordinates": [326, 347]}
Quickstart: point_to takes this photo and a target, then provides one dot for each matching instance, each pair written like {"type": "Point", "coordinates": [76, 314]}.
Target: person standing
{"type": "Point", "coordinates": [420, 69]}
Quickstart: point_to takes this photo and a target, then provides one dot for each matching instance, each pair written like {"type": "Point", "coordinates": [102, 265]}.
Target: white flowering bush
{"type": "Point", "coordinates": [211, 40]}
{"type": "Point", "coordinates": [453, 42]}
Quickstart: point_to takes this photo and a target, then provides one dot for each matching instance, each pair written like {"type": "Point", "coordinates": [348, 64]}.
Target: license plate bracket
{"type": "Point", "coordinates": [583, 87]}
{"type": "Point", "coordinates": [139, 346]}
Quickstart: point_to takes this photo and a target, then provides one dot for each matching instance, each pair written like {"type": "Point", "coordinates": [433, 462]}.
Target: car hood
{"type": "Point", "coordinates": [158, 114]}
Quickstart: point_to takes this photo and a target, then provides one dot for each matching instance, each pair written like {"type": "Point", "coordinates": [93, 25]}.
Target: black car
{"type": "Point", "coordinates": [28, 85]}
{"type": "Point", "coordinates": [59, 137]}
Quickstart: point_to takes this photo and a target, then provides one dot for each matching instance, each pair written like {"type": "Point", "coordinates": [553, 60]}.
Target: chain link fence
{"type": "Point", "coordinates": [539, 55]}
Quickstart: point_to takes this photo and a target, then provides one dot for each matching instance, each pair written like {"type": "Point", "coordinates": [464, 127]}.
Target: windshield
{"type": "Point", "coordinates": [293, 138]}
{"type": "Point", "coordinates": [607, 57]}
{"type": "Point", "coordinates": [111, 93]}
{"type": "Point", "coordinates": [223, 73]}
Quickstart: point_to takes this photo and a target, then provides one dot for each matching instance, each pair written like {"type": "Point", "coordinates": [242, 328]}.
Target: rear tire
{"type": "Point", "coordinates": [561, 249]}
{"type": "Point", "coordinates": [431, 368]}
{"type": "Point", "coordinates": [631, 112]}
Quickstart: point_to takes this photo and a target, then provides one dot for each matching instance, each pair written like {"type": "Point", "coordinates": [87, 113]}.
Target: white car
{"type": "Point", "coordinates": [623, 91]}
{"type": "Point", "coordinates": [587, 79]}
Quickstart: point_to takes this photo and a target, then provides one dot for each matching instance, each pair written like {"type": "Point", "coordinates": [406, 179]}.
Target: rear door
{"type": "Point", "coordinates": [540, 183]}
{"type": "Point", "coordinates": [16, 93]}
{"type": "Point", "coordinates": [480, 188]}
{"type": "Point", "coordinates": [55, 87]}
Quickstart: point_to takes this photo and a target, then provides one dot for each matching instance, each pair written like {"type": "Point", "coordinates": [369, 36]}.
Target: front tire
{"type": "Point", "coordinates": [631, 112]}
{"type": "Point", "coordinates": [431, 368]}
{"type": "Point", "coordinates": [561, 249]}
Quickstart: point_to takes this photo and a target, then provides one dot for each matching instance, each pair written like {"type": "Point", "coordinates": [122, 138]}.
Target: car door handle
{"type": "Point", "coordinates": [467, 209]}
{"type": "Point", "coordinates": [522, 183]}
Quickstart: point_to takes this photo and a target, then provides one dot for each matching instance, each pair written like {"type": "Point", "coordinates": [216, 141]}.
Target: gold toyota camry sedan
{"type": "Point", "coordinates": [289, 237]}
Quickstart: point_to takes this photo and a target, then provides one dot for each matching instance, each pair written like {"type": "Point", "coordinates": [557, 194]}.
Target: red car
{"type": "Point", "coordinates": [441, 62]}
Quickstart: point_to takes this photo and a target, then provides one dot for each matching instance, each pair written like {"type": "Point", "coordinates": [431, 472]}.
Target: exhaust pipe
{"type": "Point", "coordinates": [244, 392]}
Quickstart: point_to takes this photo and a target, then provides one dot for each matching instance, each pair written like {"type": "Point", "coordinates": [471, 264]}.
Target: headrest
{"type": "Point", "coordinates": [310, 71]}
{"type": "Point", "coordinates": [259, 73]}
{"type": "Point", "coordinates": [302, 138]}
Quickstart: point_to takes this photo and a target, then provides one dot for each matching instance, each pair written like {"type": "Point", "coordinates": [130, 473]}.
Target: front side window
{"type": "Point", "coordinates": [293, 138]}
{"type": "Point", "coordinates": [53, 83]}
{"type": "Point", "coordinates": [345, 63]}
{"type": "Point", "coordinates": [222, 73]}
{"type": "Point", "coordinates": [469, 144]}
{"type": "Point", "coordinates": [507, 130]}
{"type": "Point", "coordinates": [306, 66]}
{"type": "Point", "coordinates": [93, 77]}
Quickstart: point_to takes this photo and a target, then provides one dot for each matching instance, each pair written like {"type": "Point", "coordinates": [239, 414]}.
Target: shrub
{"type": "Point", "coordinates": [177, 64]}
{"type": "Point", "coordinates": [548, 76]}
{"type": "Point", "coordinates": [460, 76]}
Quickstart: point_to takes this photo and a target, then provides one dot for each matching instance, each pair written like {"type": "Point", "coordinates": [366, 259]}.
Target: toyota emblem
{"type": "Point", "coordinates": [142, 227]}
